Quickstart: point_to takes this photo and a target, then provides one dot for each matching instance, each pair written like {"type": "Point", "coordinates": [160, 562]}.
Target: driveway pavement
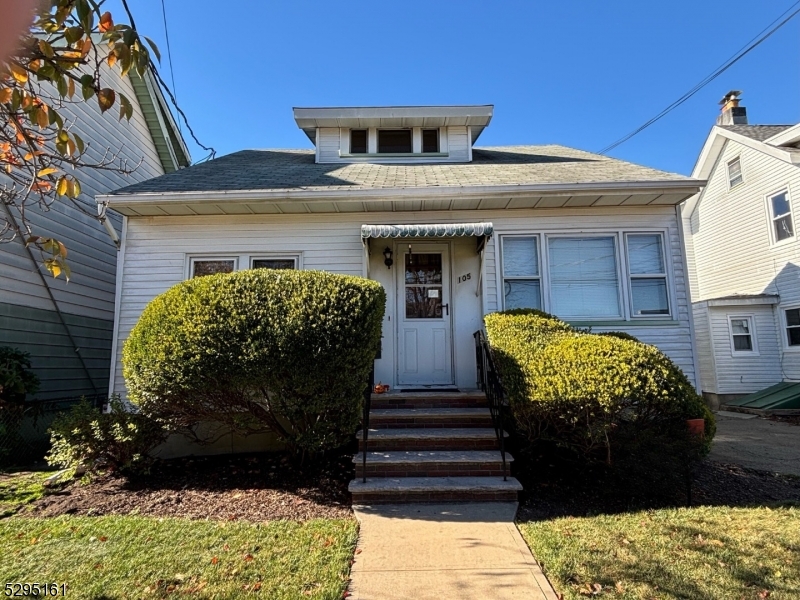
{"type": "Point", "coordinates": [439, 552]}
{"type": "Point", "coordinates": [757, 443]}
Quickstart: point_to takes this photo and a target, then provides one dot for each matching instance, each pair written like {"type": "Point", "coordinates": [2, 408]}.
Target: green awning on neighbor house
{"type": "Point", "coordinates": [437, 230]}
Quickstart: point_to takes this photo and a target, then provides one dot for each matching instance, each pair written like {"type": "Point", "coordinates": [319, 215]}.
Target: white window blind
{"type": "Point", "coordinates": [521, 282]}
{"type": "Point", "coordinates": [648, 275]}
{"type": "Point", "coordinates": [583, 277]}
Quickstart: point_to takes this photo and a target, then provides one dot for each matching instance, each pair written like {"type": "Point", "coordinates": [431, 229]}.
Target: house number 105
{"type": "Point", "coordinates": [464, 278]}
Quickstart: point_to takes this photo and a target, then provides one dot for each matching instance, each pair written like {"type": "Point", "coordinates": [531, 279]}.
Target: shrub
{"type": "Point", "coordinates": [259, 350]}
{"type": "Point", "coordinates": [16, 378]}
{"type": "Point", "coordinates": [591, 393]}
{"type": "Point", "coordinates": [120, 439]}
{"type": "Point", "coordinates": [620, 335]}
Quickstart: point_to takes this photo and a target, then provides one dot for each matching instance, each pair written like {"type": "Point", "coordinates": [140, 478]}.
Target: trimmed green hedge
{"type": "Point", "coordinates": [259, 350]}
{"type": "Point", "coordinates": [586, 391]}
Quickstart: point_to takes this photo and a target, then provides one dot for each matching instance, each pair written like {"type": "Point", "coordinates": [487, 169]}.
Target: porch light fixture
{"type": "Point", "coordinates": [387, 257]}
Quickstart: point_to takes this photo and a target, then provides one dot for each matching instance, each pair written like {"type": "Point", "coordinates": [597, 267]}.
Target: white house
{"type": "Point", "coordinates": [67, 326]}
{"type": "Point", "coordinates": [743, 249]}
{"type": "Point", "coordinates": [452, 231]}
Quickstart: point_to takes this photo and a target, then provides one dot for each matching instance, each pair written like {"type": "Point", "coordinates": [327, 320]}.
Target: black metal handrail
{"type": "Point", "coordinates": [365, 418]}
{"type": "Point", "coordinates": [489, 382]}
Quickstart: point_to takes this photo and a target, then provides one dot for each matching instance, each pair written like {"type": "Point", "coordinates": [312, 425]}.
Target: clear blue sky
{"type": "Point", "coordinates": [580, 73]}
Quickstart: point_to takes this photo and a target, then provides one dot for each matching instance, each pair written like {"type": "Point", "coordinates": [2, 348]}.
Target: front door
{"type": "Point", "coordinates": [425, 354]}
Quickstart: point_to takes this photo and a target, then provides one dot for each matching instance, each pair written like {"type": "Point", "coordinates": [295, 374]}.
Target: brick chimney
{"type": "Point", "coordinates": [732, 113]}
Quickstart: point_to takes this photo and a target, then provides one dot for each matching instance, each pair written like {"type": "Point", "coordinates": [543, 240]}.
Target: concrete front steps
{"type": "Point", "coordinates": [431, 447]}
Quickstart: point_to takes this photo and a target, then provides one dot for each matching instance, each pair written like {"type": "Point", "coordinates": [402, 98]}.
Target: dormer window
{"type": "Point", "coordinates": [394, 141]}
{"type": "Point", "coordinates": [430, 141]}
{"type": "Point", "coordinates": [358, 141]}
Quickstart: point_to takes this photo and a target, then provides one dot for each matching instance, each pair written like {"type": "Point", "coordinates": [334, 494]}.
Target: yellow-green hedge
{"type": "Point", "coordinates": [580, 389]}
{"type": "Point", "coordinates": [287, 351]}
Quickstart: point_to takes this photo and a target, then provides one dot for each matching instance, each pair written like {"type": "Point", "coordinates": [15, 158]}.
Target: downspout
{"type": "Point", "coordinates": [102, 207]}
{"type": "Point", "coordinates": [688, 286]}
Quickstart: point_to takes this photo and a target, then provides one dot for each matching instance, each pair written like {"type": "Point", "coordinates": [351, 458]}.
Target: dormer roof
{"type": "Point", "coordinates": [477, 116]}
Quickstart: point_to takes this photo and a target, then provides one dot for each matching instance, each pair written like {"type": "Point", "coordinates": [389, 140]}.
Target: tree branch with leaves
{"type": "Point", "coordinates": [64, 58]}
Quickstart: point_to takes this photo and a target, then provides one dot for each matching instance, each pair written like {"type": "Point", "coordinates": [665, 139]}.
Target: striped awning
{"type": "Point", "coordinates": [437, 230]}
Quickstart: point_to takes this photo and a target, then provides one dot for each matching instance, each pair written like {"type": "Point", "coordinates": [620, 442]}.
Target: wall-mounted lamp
{"type": "Point", "coordinates": [387, 257]}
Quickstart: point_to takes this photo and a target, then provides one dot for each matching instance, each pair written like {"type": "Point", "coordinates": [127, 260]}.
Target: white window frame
{"type": "Point", "coordinates": [545, 261]}
{"type": "Point", "coordinates": [785, 327]}
{"type": "Point", "coordinates": [189, 274]}
{"type": "Point", "coordinates": [771, 218]}
{"type": "Point", "coordinates": [539, 277]}
{"type": "Point", "coordinates": [750, 318]}
{"type": "Point", "coordinates": [269, 256]}
{"type": "Point", "coordinates": [664, 276]}
{"type": "Point", "coordinates": [732, 185]}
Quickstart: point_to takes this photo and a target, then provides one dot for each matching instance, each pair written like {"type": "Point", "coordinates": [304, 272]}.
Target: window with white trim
{"type": "Point", "coordinates": [584, 280]}
{"type": "Point", "coordinates": [792, 318]}
{"type": "Point", "coordinates": [741, 329]}
{"type": "Point", "coordinates": [735, 176]}
{"type": "Point", "coordinates": [358, 141]}
{"type": "Point", "coordinates": [273, 262]}
{"type": "Point", "coordinates": [648, 275]}
{"type": "Point", "coordinates": [522, 287]}
{"type": "Point", "coordinates": [200, 267]}
{"type": "Point", "coordinates": [781, 213]}
{"type": "Point", "coordinates": [395, 141]}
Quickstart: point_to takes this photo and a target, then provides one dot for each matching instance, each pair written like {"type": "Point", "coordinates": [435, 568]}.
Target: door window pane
{"type": "Point", "coordinates": [520, 257]}
{"type": "Point", "coordinates": [645, 255]}
{"type": "Point", "coordinates": [423, 268]}
{"type": "Point", "coordinates": [273, 263]}
{"type": "Point", "coordinates": [583, 277]}
{"type": "Point", "coordinates": [649, 296]}
{"type": "Point", "coordinates": [201, 268]}
{"type": "Point", "coordinates": [522, 293]}
{"type": "Point", "coordinates": [423, 302]}
{"type": "Point", "coordinates": [394, 141]}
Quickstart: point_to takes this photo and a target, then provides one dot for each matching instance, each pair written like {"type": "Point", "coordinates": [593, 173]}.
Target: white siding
{"type": "Point", "coordinates": [730, 248]}
{"type": "Point", "coordinates": [92, 255]}
{"type": "Point", "coordinates": [739, 372]}
{"type": "Point", "coordinates": [705, 351]}
{"type": "Point", "coordinates": [157, 250]}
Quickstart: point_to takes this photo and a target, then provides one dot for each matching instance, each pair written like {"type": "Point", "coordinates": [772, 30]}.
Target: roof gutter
{"type": "Point", "coordinates": [686, 186]}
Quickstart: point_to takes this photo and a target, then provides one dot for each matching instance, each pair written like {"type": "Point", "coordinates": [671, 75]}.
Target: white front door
{"type": "Point", "coordinates": [425, 348]}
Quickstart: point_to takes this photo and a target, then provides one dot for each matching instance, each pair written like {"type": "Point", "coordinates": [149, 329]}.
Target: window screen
{"type": "Point", "coordinates": [430, 140]}
{"type": "Point", "coordinates": [358, 141]}
{"type": "Point", "coordinates": [394, 141]}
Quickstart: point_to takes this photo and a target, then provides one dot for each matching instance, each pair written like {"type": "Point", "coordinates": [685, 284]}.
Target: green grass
{"type": "Point", "coordinates": [18, 489]}
{"type": "Point", "coordinates": [141, 557]}
{"type": "Point", "coordinates": [713, 553]}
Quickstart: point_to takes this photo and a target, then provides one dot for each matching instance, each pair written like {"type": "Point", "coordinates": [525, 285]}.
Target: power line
{"type": "Point", "coordinates": [169, 52]}
{"type": "Point", "coordinates": [755, 42]}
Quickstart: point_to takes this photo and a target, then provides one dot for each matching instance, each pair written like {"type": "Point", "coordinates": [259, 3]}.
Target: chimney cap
{"type": "Point", "coordinates": [732, 95]}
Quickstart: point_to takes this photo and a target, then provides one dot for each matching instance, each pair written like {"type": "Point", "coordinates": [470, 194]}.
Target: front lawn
{"type": "Point", "coordinates": [714, 553]}
{"type": "Point", "coordinates": [145, 557]}
{"type": "Point", "coordinates": [19, 489]}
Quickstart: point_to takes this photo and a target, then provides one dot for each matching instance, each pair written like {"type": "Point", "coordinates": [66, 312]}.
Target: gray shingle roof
{"type": "Point", "coordinates": [757, 132]}
{"type": "Point", "coordinates": [295, 169]}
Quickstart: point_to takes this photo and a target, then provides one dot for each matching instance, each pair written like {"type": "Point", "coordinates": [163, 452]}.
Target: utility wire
{"type": "Point", "coordinates": [164, 85]}
{"type": "Point", "coordinates": [750, 46]}
{"type": "Point", "coordinates": [169, 52]}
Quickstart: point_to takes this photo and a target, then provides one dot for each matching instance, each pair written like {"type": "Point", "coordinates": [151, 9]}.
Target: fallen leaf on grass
{"type": "Point", "coordinates": [248, 558]}
{"type": "Point", "coordinates": [214, 560]}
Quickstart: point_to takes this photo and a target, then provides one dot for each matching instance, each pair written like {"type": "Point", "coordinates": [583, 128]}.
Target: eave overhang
{"type": "Point", "coordinates": [501, 197]}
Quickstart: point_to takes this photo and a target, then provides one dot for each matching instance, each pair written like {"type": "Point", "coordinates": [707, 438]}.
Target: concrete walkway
{"type": "Point", "coordinates": [439, 552]}
{"type": "Point", "coordinates": [756, 443]}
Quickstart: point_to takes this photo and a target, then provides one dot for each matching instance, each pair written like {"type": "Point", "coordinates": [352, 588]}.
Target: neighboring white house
{"type": "Point", "coordinates": [67, 326]}
{"type": "Point", "coordinates": [743, 248]}
{"type": "Point", "coordinates": [592, 239]}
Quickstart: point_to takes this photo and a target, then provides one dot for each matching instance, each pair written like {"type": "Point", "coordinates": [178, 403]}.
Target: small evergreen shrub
{"type": "Point", "coordinates": [16, 378]}
{"type": "Point", "coordinates": [120, 440]}
{"type": "Point", "coordinates": [591, 393]}
{"type": "Point", "coordinates": [259, 350]}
